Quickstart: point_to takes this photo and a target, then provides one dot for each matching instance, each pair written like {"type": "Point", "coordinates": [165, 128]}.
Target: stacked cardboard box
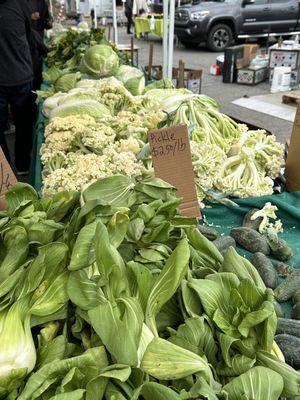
{"type": "Point", "coordinates": [237, 65]}
{"type": "Point", "coordinates": [286, 57]}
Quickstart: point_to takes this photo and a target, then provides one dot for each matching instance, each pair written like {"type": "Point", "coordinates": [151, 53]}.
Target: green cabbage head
{"type": "Point", "coordinates": [100, 61]}
{"type": "Point", "coordinates": [132, 78]}
{"type": "Point", "coordinates": [66, 82]}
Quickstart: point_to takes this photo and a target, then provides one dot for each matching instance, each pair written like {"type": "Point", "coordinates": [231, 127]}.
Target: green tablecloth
{"type": "Point", "coordinates": [224, 218]}
{"type": "Point", "coordinates": [142, 25]}
{"type": "Point", "coordinates": [35, 175]}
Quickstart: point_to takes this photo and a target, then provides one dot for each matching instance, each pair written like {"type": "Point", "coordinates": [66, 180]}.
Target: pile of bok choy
{"type": "Point", "coordinates": [111, 294]}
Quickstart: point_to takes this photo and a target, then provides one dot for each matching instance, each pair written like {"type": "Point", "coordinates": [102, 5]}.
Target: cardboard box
{"type": "Point", "coordinates": [292, 167]}
{"type": "Point", "coordinates": [295, 77]}
{"type": "Point", "coordinates": [7, 179]}
{"type": "Point", "coordinates": [250, 51]}
{"type": "Point", "coordinates": [284, 58]}
{"type": "Point", "coordinates": [252, 75]}
{"type": "Point", "coordinates": [192, 77]}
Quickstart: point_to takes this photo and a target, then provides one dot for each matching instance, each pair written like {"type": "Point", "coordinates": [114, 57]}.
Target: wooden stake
{"type": "Point", "coordinates": [292, 167]}
{"type": "Point", "coordinates": [132, 50]}
{"type": "Point", "coordinates": [150, 61]}
{"type": "Point", "coordinates": [181, 74]}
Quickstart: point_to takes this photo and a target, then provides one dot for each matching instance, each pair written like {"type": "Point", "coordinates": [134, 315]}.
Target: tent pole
{"type": "Point", "coordinates": [95, 15]}
{"type": "Point", "coordinates": [115, 24]}
{"type": "Point", "coordinates": [165, 37]}
{"type": "Point", "coordinates": [51, 7]}
{"type": "Point", "coordinates": [171, 39]}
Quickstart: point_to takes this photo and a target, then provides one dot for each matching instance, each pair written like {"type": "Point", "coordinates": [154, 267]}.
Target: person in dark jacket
{"type": "Point", "coordinates": [40, 16]}
{"type": "Point", "coordinates": [40, 20]}
{"type": "Point", "coordinates": [128, 14]}
{"type": "Point", "coordinates": [16, 77]}
{"type": "Point", "coordinates": [38, 51]}
{"type": "Point", "coordinates": [93, 16]}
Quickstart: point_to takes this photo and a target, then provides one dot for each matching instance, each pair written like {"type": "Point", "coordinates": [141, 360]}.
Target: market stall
{"type": "Point", "coordinates": [144, 25]}
{"type": "Point", "coordinates": [107, 291]}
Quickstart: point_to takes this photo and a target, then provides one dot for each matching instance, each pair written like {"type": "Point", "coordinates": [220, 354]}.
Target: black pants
{"type": "Point", "coordinates": [21, 101]}
{"type": "Point", "coordinates": [129, 20]}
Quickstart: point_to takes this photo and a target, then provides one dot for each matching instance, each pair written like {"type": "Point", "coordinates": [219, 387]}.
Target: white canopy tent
{"type": "Point", "coordinates": [168, 37]}
{"type": "Point", "coordinates": [51, 7]}
{"type": "Point", "coordinates": [104, 6]}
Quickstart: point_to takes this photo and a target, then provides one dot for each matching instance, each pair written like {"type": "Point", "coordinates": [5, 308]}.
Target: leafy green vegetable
{"type": "Point", "coordinates": [132, 78]}
{"type": "Point", "coordinates": [167, 282]}
{"type": "Point", "coordinates": [258, 383]}
{"type": "Point", "coordinates": [164, 360]}
{"type": "Point", "coordinates": [99, 61]}
{"type": "Point", "coordinates": [113, 322]}
{"type": "Point", "coordinates": [111, 294]}
{"type": "Point", "coordinates": [86, 107]}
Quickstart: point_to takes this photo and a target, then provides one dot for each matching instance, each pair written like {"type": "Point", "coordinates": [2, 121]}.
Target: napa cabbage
{"type": "Point", "coordinates": [66, 82]}
{"type": "Point", "coordinates": [51, 102]}
{"type": "Point", "coordinates": [81, 107]}
{"type": "Point", "coordinates": [80, 94]}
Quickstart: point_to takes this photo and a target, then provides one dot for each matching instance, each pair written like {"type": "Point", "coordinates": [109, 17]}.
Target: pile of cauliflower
{"type": "Point", "coordinates": [78, 150]}
{"type": "Point", "coordinates": [247, 169]}
{"type": "Point", "coordinates": [228, 159]}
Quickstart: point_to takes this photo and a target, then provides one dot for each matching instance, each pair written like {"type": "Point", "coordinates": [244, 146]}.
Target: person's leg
{"type": "Point", "coordinates": [130, 22]}
{"type": "Point", "coordinates": [22, 103]}
{"type": "Point", "coordinates": [38, 74]}
{"type": "Point", "coordinates": [3, 121]}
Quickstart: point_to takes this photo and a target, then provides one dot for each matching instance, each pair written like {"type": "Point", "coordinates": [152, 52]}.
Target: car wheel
{"type": "Point", "coordinates": [189, 45]}
{"type": "Point", "coordinates": [219, 37]}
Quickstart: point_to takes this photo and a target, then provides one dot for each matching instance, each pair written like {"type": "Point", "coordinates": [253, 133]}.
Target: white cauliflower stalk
{"type": "Point", "coordinates": [269, 154]}
{"type": "Point", "coordinates": [240, 176]}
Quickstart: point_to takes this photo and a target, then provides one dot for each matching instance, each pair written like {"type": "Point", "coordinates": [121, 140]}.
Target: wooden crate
{"type": "Point", "coordinates": [156, 72]}
{"type": "Point", "coordinates": [252, 75]}
{"type": "Point", "coordinates": [192, 78]}
{"type": "Point", "coordinates": [291, 98]}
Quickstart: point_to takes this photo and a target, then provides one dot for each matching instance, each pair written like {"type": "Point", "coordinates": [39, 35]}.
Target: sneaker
{"type": "Point", "coordinates": [22, 173]}
{"type": "Point", "coordinates": [10, 130]}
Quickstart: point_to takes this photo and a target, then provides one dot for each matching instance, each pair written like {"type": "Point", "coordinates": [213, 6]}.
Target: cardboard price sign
{"type": "Point", "coordinates": [292, 167]}
{"type": "Point", "coordinates": [7, 179]}
{"type": "Point", "coordinates": [172, 161]}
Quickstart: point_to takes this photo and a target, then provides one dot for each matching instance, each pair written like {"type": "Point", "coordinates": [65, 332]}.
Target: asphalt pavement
{"type": "Point", "coordinates": [213, 86]}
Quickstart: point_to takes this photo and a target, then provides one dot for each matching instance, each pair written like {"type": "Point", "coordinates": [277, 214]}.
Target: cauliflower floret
{"type": "Point", "coordinates": [79, 170]}
{"type": "Point", "coordinates": [131, 144]}
{"type": "Point", "coordinates": [207, 161]}
{"type": "Point", "coordinates": [123, 163]}
{"type": "Point", "coordinates": [63, 134]}
{"type": "Point", "coordinates": [71, 123]}
{"type": "Point", "coordinates": [268, 212]}
{"type": "Point", "coordinates": [96, 139]}
{"type": "Point", "coordinates": [60, 141]}
{"type": "Point", "coordinates": [269, 154]}
{"type": "Point", "coordinates": [51, 160]}
{"type": "Point", "coordinates": [128, 123]}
